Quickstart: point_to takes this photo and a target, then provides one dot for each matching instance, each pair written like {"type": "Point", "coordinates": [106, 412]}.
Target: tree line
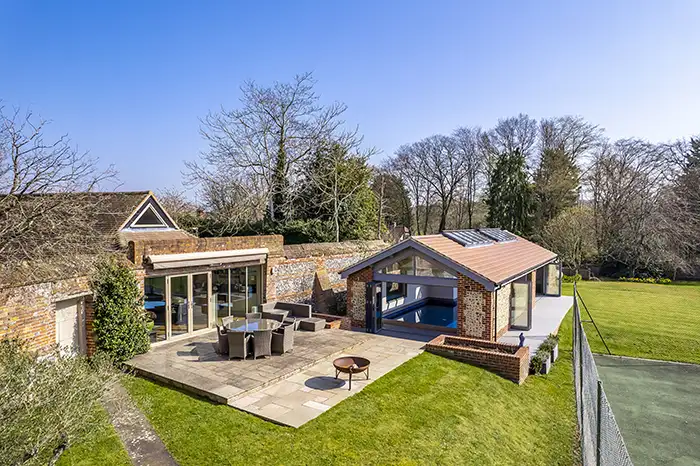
{"type": "Point", "coordinates": [281, 162]}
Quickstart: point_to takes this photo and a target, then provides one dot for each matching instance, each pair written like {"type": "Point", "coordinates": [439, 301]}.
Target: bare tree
{"type": "Point", "coordinates": [267, 138]}
{"type": "Point", "coordinates": [626, 181]}
{"type": "Point", "coordinates": [571, 235]}
{"type": "Point", "coordinates": [406, 164]}
{"type": "Point", "coordinates": [572, 135]}
{"type": "Point", "coordinates": [38, 220]}
{"type": "Point", "coordinates": [509, 135]}
{"type": "Point", "coordinates": [466, 142]}
{"type": "Point", "coordinates": [443, 169]}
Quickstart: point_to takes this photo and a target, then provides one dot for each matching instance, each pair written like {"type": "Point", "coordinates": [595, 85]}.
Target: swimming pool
{"type": "Point", "coordinates": [430, 312]}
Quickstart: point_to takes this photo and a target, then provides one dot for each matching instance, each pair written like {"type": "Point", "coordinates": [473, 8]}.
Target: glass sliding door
{"type": "Point", "coordinates": [238, 292]}
{"type": "Point", "coordinates": [154, 303]}
{"type": "Point", "coordinates": [253, 280]}
{"type": "Point", "coordinates": [520, 304]}
{"type": "Point", "coordinates": [179, 305]}
{"type": "Point", "coordinates": [220, 289]}
{"type": "Point", "coordinates": [552, 285]}
{"type": "Point", "coordinates": [200, 301]}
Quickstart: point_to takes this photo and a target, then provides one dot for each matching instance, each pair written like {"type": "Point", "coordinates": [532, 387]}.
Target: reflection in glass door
{"type": "Point", "coordinates": [238, 292]}
{"type": "Point", "coordinates": [179, 305]}
{"type": "Point", "coordinates": [520, 305]}
{"type": "Point", "coordinates": [154, 303]}
{"type": "Point", "coordinates": [200, 301]}
{"type": "Point", "coordinates": [220, 288]}
{"type": "Point", "coordinates": [252, 287]}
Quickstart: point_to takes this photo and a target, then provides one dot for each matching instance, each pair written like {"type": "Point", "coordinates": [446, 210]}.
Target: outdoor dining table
{"type": "Point", "coordinates": [249, 325]}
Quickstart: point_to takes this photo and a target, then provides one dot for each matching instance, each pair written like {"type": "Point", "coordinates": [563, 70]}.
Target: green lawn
{"type": "Point", "coordinates": [103, 447]}
{"type": "Point", "coordinates": [429, 410]}
{"type": "Point", "coordinates": [644, 320]}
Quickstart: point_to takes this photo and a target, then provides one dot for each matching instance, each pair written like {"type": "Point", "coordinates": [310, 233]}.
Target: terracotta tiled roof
{"type": "Point", "coordinates": [496, 262]}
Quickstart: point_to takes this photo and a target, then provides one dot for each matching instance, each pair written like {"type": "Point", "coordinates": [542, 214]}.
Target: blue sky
{"type": "Point", "coordinates": [129, 80]}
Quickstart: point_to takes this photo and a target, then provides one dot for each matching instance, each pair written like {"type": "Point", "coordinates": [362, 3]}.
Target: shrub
{"type": "Point", "coordinates": [121, 325]}
{"type": "Point", "coordinates": [48, 403]}
{"type": "Point", "coordinates": [571, 278]}
{"type": "Point", "coordinates": [538, 360]}
{"type": "Point", "coordinates": [659, 281]}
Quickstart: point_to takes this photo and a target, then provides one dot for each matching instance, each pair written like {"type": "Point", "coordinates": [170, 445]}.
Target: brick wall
{"type": "Point", "coordinates": [137, 250]}
{"type": "Point", "coordinates": [29, 312]}
{"type": "Point", "coordinates": [508, 361]}
{"type": "Point", "coordinates": [356, 295]}
{"type": "Point", "coordinates": [475, 309]}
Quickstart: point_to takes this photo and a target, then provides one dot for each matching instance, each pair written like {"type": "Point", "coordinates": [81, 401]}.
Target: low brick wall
{"type": "Point", "coordinates": [345, 321]}
{"type": "Point", "coordinates": [513, 365]}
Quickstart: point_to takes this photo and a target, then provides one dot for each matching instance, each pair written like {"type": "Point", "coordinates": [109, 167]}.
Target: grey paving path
{"type": "Point", "coordinates": [309, 393]}
{"type": "Point", "coordinates": [142, 443]}
{"type": "Point", "coordinates": [547, 315]}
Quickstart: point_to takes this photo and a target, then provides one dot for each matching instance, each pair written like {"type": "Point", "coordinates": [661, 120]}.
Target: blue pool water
{"type": "Point", "coordinates": [430, 312]}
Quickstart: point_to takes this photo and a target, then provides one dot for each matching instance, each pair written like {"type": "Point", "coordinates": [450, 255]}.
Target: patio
{"type": "Point", "coordinates": [289, 389]}
{"type": "Point", "coordinates": [193, 365]}
{"type": "Point", "coordinates": [547, 314]}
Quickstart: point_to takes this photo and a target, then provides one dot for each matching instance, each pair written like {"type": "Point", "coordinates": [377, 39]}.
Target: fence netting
{"type": "Point", "coordinates": [601, 441]}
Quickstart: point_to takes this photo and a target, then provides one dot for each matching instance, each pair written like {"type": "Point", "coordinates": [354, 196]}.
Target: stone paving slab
{"type": "Point", "coordinates": [309, 393]}
{"type": "Point", "coordinates": [141, 441]}
{"type": "Point", "coordinates": [193, 365]}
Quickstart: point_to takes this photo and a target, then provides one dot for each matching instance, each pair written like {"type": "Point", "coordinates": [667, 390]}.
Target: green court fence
{"type": "Point", "coordinates": [601, 441]}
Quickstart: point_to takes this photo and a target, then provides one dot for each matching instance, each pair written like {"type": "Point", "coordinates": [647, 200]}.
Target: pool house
{"type": "Point", "coordinates": [482, 283]}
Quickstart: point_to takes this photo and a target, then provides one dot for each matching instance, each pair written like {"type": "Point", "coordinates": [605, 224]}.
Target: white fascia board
{"type": "Point", "coordinates": [191, 256]}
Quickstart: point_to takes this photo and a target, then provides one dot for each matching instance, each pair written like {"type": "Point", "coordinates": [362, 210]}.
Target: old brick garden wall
{"type": "Point", "coordinates": [300, 273]}
{"type": "Point", "coordinates": [29, 312]}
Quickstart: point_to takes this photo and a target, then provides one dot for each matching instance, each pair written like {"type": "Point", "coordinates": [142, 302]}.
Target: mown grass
{"type": "Point", "coordinates": [102, 447]}
{"type": "Point", "coordinates": [644, 320]}
{"type": "Point", "coordinates": [430, 410]}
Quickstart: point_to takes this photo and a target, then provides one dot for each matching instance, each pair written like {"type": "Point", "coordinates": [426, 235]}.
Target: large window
{"type": "Point", "coordinates": [220, 289]}
{"type": "Point", "coordinates": [416, 265]}
{"type": "Point", "coordinates": [237, 290]}
{"type": "Point", "coordinates": [521, 303]}
{"type": "Point", "coordinates": [181, 304]}
{"type": "Point", "coordinates": [154, 302]}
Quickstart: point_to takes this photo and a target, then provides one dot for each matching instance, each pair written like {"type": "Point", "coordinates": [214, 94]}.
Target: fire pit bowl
{"type": "Point", "coordinates": [351, 365]}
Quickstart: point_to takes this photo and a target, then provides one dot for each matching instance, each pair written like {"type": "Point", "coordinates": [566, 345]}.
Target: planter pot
{"type": "Point", "coordinates": [546, 367]}
{"type": "Point", "coordinates": [555, 353]}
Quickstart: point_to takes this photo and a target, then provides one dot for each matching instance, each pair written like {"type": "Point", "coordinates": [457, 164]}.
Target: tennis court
{"type": "Point", "coordinates": [657, 408]}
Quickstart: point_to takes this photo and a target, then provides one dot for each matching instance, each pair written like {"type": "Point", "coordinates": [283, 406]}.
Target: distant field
{"type": "Point", "coordinates": [644, 320]}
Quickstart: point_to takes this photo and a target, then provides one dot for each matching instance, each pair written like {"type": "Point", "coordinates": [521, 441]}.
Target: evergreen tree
{"type": "Point", "coordinates": [556, 186]}
{"type": "Point", "coordinates": [337, 190]}
{"type": "Point", "coordinates": [509, 195]}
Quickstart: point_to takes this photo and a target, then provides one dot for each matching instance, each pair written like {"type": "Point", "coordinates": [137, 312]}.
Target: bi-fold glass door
{"type": "Point", "coordinates": [189, 301]}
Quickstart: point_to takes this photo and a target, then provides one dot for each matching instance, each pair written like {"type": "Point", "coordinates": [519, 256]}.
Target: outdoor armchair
{"type": "Point", "coordinates": [262, 343]}
{"type": "Point", "coordinates": [283, 339]}
{"type": "Point", "coordinates": [237, 345]}
{"type": "Point", "coordinates": [222, 343]}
